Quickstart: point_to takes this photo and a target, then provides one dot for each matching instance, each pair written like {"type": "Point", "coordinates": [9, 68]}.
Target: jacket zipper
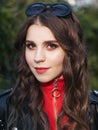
{"type": "Point", "coordinates": [56, 94]}
{"type": "Point", "coordinates": [55, 111]}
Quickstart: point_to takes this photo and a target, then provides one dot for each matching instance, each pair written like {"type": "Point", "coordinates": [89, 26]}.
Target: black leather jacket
{"type": "Point", "coordinates": [93, 98]}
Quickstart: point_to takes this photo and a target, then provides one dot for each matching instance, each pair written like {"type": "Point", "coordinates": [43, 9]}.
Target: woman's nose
{"type": "Point", "coordinates": [39, 55]}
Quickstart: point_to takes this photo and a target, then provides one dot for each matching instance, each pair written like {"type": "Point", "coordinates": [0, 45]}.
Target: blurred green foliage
{"type": "Point", "coordinates": [12, 16]}
{"type": "Point", "coordinates": [89, 21]}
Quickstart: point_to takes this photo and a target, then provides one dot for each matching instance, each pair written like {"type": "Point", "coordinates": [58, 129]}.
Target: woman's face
{"type": "Point", "coordinates": [43, 53]}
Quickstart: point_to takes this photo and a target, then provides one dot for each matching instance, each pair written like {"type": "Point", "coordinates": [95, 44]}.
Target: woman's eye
{"type": "Point", "coordinates": [52, 46]}
{"type": "Point", "coordinates": [30, 45]}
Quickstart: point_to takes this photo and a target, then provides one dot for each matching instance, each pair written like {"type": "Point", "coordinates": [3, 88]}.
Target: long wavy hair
{"type": "Point", "coordinates": [26, 95]}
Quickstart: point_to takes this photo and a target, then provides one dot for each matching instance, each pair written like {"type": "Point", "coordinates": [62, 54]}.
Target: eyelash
{"type": "Point", "coordinates": [49, 46]}
{"type": "Point", "coordinates": [30, 45]}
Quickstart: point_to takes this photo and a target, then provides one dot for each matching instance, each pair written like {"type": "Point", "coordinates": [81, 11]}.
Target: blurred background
{"type": "Point", "coordinates": [12, 16]}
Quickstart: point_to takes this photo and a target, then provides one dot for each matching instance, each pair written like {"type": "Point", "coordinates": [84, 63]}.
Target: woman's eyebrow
{"type": "Point", "coordinates": [28, 41]}
{"type": "Point", "coordinates": [44, 43]}
{"type": "Point", "coordinates": [51, 41]}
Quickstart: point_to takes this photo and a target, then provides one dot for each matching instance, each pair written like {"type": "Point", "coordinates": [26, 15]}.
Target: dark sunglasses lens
{"type": "Point", "coordinates": [34, 9]}
{"type": "Point", "coordinates": [61, 10]}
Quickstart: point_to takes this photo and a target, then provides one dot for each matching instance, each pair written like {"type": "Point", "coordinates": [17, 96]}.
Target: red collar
{"type": "Point", "coordinates": [51, 104]}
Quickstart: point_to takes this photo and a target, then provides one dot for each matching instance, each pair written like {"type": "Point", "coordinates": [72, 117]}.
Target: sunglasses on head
{"type": "Point", "coordinates": [58, 9]}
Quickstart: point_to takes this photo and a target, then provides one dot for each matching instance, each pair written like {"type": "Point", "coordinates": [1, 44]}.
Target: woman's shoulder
{"type": "Point", "coordinates": [93, 100]}
{"type": "Point", "coordinates": [93, 97]}
{"type": "Point", "coordinates": [3, 97]}
{"type": "Point", "coordinates": [5, 93]}
{"type": "Point", "coordinates": [3, 107]}
{"type": "Point", "coordinates": [3, 100]}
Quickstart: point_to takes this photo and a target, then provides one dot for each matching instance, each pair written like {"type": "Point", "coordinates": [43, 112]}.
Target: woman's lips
{"type": "Point", "coordinates": [41, 70]}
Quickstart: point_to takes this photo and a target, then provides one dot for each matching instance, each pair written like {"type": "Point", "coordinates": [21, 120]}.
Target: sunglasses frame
{"type": "Point", "coordinates": [57, 9]}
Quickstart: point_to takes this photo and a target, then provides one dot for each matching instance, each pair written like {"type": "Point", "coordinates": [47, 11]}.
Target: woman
{"type": "Point", "coordinates": [51, 90]}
